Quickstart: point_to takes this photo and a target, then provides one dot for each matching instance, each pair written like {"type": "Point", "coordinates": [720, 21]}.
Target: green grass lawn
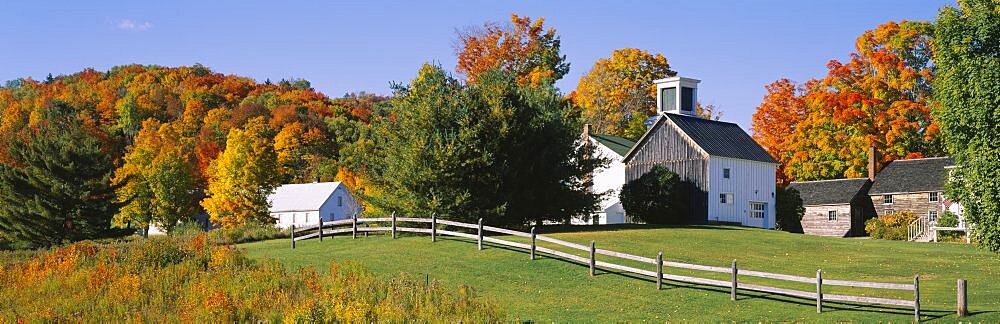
{"type": "Point", "coordinates": [550, 289]}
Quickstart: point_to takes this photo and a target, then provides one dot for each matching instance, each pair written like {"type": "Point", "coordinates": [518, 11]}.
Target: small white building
{"type": "Point", "coordinates": [303, 204]}
{"type": "Point", "coordinates": [607, 180]}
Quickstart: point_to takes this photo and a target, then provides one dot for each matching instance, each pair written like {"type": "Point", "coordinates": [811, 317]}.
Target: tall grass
{"type": "Point", "coordinates": [191, 279]}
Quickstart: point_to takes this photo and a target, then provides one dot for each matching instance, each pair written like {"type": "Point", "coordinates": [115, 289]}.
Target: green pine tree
{"type": "Point", "coordinates": [57, 188]}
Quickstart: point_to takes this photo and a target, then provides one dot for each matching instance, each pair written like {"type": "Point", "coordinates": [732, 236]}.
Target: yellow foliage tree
{"type": "Point", "coordinates": [618, 90]}
{"type": "Point", "coordinates": [242, 177]}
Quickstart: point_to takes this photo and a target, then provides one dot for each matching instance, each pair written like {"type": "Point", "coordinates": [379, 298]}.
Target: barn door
{"type": "Point", "coordinates": [758, 214]}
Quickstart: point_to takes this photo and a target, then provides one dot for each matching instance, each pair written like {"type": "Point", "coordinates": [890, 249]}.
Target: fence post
{"type": "Point", "coordinates": [480, 241]}
{"type": "Point", "coordinates": [393, 225]}
{"type": "Point", "coordinates": [293, 236]}
{"type": "Point", "coordinates": [916, 298]}
{"type": "Point", "coordinates": [434, 223]}
{"type": "Point", "coordinates": [532, 242]}
{"type": "Point", "coordinates": [659, 270]}
{"type": "Point", "coordinates": [593, 261]}
{"type": "Point", "coordinates": [732, 293]}
{"type": "Point", "coordinates": [819, 291]}
{"type": "Point", "coordinates": [319, 226]}
{"type": "Point", "coordinates": [963, 303]}
{"type": "Point", "coordinates": [354, 226]}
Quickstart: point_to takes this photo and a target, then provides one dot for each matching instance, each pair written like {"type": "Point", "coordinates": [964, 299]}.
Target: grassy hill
{"type": "Point", "coordinates": [553, 289]}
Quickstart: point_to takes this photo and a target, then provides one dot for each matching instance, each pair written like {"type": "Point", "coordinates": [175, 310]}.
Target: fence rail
{"type": "Point", "coordinates": [330, 228]}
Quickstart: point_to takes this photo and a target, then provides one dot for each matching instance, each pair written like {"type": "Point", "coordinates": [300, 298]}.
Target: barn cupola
{"type": "Point", "coordinates": [677, 95]}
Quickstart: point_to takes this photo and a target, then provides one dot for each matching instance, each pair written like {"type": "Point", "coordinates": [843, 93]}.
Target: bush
{"type": "Point", "coordinates": [248, 233]}
{"type": "Point", "coordinates": [789, 210]}
{"type": "Point", "coordinates": [654, 197]}
{"type": "Point", "coordinates": [890, 227]}
{"type": "Point", "coordinates": [188, 279]}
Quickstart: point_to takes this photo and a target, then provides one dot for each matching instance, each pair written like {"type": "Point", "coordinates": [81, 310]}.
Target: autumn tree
{"type": "Point", "coordinates": [242, 177]}
{"type": "Point", "coordinates": [880, 98]}
{"type": "Point", "coordinates": [157, 182]}
{"type": "Point", "coordinates": [619, 90]}
{"type": "Point", "coordinates": [966, 55]}
{"type": "Point", "coordinates": [56, 188]}
{"type": "Point", "coordinates": [777, 118]}
{"type": "Point", "coordinates": [523, 48]}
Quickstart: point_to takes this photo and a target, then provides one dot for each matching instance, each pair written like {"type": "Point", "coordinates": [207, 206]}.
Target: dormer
{"type": "Point", "coordinates": [677, 95]}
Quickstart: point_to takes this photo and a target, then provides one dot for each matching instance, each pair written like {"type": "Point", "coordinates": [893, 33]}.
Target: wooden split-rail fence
{"type": "Point", "coordinates": [330, 228]}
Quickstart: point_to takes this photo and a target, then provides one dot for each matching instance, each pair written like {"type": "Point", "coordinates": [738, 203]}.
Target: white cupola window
{"type": "Point", "coordinates": [677, 95]}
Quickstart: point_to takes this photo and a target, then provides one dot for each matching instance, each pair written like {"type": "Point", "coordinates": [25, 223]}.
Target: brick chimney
{"type": "Point", "coordinates": [872, 163]}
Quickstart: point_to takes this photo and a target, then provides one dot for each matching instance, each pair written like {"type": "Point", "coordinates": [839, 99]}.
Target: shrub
{"type": "Point", "coordinates": [789, 210]}
{"type": "Point", "coordinates": [248, 233]}
{"type": "Point", "coordinates": [188, 279]}
{"type": "Point", "coordinates": [890, 227]}
{"type": "Point", "coordinates": [653, 198]}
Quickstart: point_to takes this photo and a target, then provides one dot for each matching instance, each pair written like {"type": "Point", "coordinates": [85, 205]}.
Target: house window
{"type": "Point", "coordinates": [726, 198]}
{"type": "Point", "coordinates": [886, 199]}
{"type": "Point", "coordinates": [832, 216]}
{"type": "Point", "coordinates": [932, 216]}
{"type": "Point", "coordinates": [758, 209]}
{"type": "Point", "coordinates": [932, 197]}
{"type": "Point", "coordinates": [725, 173]}
{"type": "Point", "coordinates": [340, 201]}
{"type": "Point", "coordinates": [889, 211]}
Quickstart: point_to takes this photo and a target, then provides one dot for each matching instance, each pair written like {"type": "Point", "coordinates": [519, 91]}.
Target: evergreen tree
{"type": "Point", "coordinates": [494, 149]}
{"type": "Point", "coordinates": [57, 189]}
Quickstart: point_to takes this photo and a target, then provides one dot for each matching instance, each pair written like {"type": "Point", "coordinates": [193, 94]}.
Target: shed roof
{"type": "Point", "coordinates": [301, 196]}
{"type": "Point", "coordinates": [619, 145]}
{"type": "Point", "coordinates": [914, 175]}
{"type": "Point", "coordinates": [828, 192]}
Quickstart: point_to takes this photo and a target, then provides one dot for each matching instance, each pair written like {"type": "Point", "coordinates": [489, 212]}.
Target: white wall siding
{"type": "Point", "coordinates": [749, 181]}
{"type": "Point", "coordinates": [610, 180]}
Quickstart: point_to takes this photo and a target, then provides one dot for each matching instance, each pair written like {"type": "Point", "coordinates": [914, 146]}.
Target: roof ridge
{"type": "Point", "coordinates": [830, 180]}
{"type": "Point", "coordinates": [700, 118]}
{"type": "Point", "coordinates": [921, 159]}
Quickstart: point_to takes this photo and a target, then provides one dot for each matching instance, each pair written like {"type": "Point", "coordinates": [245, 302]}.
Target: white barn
{"type": "Point", "coordinates": [303, 204]}
{"type": "Point", "coordinates": [729, 177]}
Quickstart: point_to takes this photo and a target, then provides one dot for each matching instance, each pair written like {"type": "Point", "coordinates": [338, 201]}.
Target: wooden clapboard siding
{"type": "Point", "coordinates": [666, 145]}
{"type": "Point", "coordinates": [749, 181]}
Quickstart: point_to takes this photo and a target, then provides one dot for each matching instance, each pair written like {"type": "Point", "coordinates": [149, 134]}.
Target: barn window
{"type": "Point", "coordinates": [726, 198]}
{"type": "Point", "coordinates": [932, 216]}
{"type": "Point", "coordinates": [886, 199]}
{"type": "Point", "coordinates": [932, 197]}
{"type": "Point", "coordinates": [340, 201]}
{"type": "Point", "coordinates": [725, 173]}
{"type": "Point", "coordinates": [832, 216]}
{"type": "Point", "coordinates": [889, 211]}
{"type": "Point", "coordinates": [758, 209]}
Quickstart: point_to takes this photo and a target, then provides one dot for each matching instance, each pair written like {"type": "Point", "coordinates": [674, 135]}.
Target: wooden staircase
{"type": "Point", "coordinates": [919, 230]}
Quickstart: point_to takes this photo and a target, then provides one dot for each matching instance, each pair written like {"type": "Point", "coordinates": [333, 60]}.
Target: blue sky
{"type": "Point", "coordinates": [734, 47]}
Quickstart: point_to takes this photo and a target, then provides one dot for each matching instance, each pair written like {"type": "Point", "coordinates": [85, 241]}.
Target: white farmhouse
{"type": "Point", "coordinates": [609, 179]}
{"type": "Point", "coordinates": [727, 176]}
{"type": "Point", "coordinates": [303, 204]}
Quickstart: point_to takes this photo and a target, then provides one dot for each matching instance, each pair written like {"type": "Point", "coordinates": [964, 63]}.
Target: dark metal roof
{"type": "Point", "coordinates": [828, 192]}
{"type": "Point", "coordinates": [915, 175]}
{"type": "Point", "coordinates": [721, 138]}
{"type": "Point", "coordinates": [620, 145]}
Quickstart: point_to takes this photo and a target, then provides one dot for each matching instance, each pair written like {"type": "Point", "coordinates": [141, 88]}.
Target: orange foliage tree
{"type": "Point", "coordinates": [524, 48]}
{"type": "Point", "coordinates": [880, 98]}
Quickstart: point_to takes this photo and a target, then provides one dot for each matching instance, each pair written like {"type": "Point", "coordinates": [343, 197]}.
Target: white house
{"type": "Point", "coordinates": [728, 177]}
{"type": "Point", "coordinates": [303, 204]}
{"type": "Point", "coordinates": [609, 179]}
